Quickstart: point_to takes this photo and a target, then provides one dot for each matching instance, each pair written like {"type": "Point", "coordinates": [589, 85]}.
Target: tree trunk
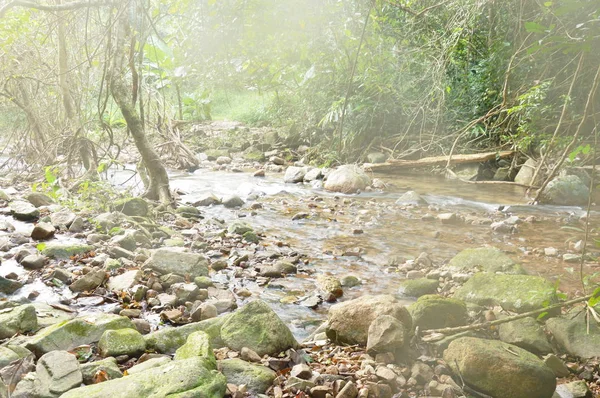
{"type": "Point", "coordinates": [158, 186]}
{"type": "Point", "coordinates": [63, 69]}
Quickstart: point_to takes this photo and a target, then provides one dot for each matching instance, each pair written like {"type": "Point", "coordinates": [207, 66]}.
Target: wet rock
{"type": "Point", "coordinates": [347, 179]}
{"type": "Point", "coordinates": [124, 281]}
{"type": "Point", "coordinates": [313, 175]}
{"type": "Point", "coordinates": [448, 218]}
{"type": "Point", "coordinates": [571, 334]}
{"type": "Point", "coordinates": [387, 334]}
{"type": "Point", "coordinates": [566, 190]}
{"type": "Point", "coordinates": [232, 201]}
{"type": "Point", "coordinates": [64, 250]}
{"type": "Point", "coordinates": [258, 173]}
{"type": "Point", "coordinates": [63, 218]}
{"type": "Point", "coordinates": [21, 319]}
{"type": "Point", "coordinates": [186, 377]}
{"type": "Point", "coordinates": [23, 211]}
{"type": "Point", "coordinates": [256, 326]}
{"type": "Point", "coordinates": [223, 160]}
{"type": "Point", "coordinates": [294, 174]}
{"type": "Point", "coordinates": [436, 312]}
{"type": "Point", "coordinates": [121, 342]}
{"type": "Point", "coordinates": [488, 259]}
{"type": "Point", "coordinates": [89, 281]}
{"type": "Point", "coordinates": [257, 378]}
{"type": "Point", "coordinates": [43, 231]}
{"type": "Point", "coordinates": [107, 368]}
{"type": "Point", "coordinates": [238, 228]}
{"type": "Point", "coordinates": [176, 261]}
{"type": "Point", "coordinates": [491, 366]}
{"type": "Point", "coordinates": [418, 287]}
{"type": "Point", "coordinates": [411, 198]}
{"type": "Point", "coordinates": [33, 261]}
{"type": "Point", "coordinates": [168, 340]}
{"type": "Point", "coordinates": [250, 237]}
{"type": "Point", "coordinates": [574, 389]}
{"type": "Point", "coordinates": [285, 267]}
{"type": "Point", "coordinates": [207, 199]}
{"type": "Point", "coordinates": [527, 334]}
{"type": "Point", "coordinates": [300, 216]}
{"type": "Point", "coordinates": [526, 172]}
{"type": "Point", "coordinates": [518, 293]}
{"type": "Point", "coordinates": [350, 281]}
{"type": "Point", "coordinates": [39, 199]}
{"type": "Point", "coordinates": [79, 331]}
{"type": "Point", "coordinates": [185, 291]}
{"type": "Point", "coordinates": [57, 372]}
{"type": "Point", "coordinates": [137, 207]}
{"type": "Point", "coordinates": [8, 286]}
{"type": "Point", "coordinates": [329, 284]}
{"type": "Point", "coordinates": [349, 321]}
{"type": "Point", "coordinates": [203, 282]}
{"type": "Point", "coordinates": [198, 345]}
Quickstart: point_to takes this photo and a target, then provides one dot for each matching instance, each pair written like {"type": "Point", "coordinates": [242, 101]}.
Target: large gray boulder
{"type": "Point", "coordinates": [257, 327]}
{"type": "Point", "coordinates": [184, 378]}
{"type": "Point", "coordinates": [176, 261]}
{"type": "Point", "coordinates": [499, 370]}
{"type": "Point", "coordinates": [487, 259]}
{"type": "Point", "coordinates": [571, 334]}
{"type": "Point", "coordinates": [349, 321]}
{"type": "Point", "coordinates": [347, 179]}
{"type": "Point", "coordinates": [566, 190]}
{"type": "Point", "coordinates": [56, 373]}
{"type": "Point", "coordinates": [518, 293]}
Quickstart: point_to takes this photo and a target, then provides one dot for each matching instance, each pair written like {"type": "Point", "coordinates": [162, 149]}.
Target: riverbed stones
{"type": "Point", "coordinates": [169, 339]}
{"type": "Point", "coordinates": [347, 179]}
{"type": "Point", "coordinates": [488, 259]}
{"type": "Point", "coordinates": [256, 378]}
{"type": "Point", "coordinates": [525, 333]}
{"type": "Point", "coordinates": [387, 334]}
{"type": "Point", "coordinates": [23, 211]}
{"type": "Point", "coordinates": [232, 201]}
{"type": "Point", "coordinates": [63, 218]}
{"type": "Point", "coordinates": [132, 207]}
{"type": "Point", "coordinates": [207, 199]}
{"type": "Point", "coordinates": [106, 367]}
{"type": "Point", "coordinates": [17, 320]}
{"type": "Point", "coordinates": [10, 353]}
{"type": "Point", "coordinates": [294, 174]}
{"type": "Point", "coordinates": [124, 281]}
{"type": "Point", "coordinates": [89, 281]}
{"type": "Point", "coordinates": [238, 228]}
{"type": "Point", "coordinates": [518, 293]}
{"type": "Point", "coordinates": [329, 284]}
{"type": "Point", "coordinates": [64, 250]}
{"type": "Point", "coordinates": [257, 327]}
{"type": "Point", "coordinates": [121, 342]}
{"type": "Point", "coordinates": [177, 261]}
{"type": "Point", "coordinates": [39, 199]}
{"type": "Point", "coordinates": [418, 287]}
{"type": "Point", "coordinates": [43, 230]}
{"type": "Point", "coordinates": [571, 334]}
{"type": "Point", "coordinates": [436, 312]}
{"type": "Point", "coordinates": [8, 286]}
{"type": "Point", "coordinates": [499, 369]}
{"type": "Point", "coordinates": [33, 261]}
{"type": "Point", "coordinates": [198, 345]}
{"type": "Point", "coordinates": [56, 373]}
{"type": "Point", "coordinates": [566, 190]}
{"type": "Point", "coordinates": [574, 389]}
{"type": "Point", "coordinates": [184, 378]}
{"type": "Point", "coordinates": [411, 198]}
{"type": "Point", "coordinates": [79, 331]}
{"type": "Point", "coordinates": [349, 321]}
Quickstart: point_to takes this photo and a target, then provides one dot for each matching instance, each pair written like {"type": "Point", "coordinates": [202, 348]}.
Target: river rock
{"type": "Point", "coordinates": [149, 364]}
{"type": "Point", "coordinates": [257, 378]}
{"type": "Point", "coordinates": [566, 190]}
{"type": "Point", "coordinates": [57, 372]}
{"type": "Point", "coordinates": [527, 334]}
{"type": "Point", "coordinates": [570, 332]}
{"type": "Point", "coordinates": [125, 241]}
{"type": "Point", "coordinates": [574, 389]}
{"type": "Point", "coordinates": [418, 287]}
{"type": "Point", "coordinates": [64, 250]}
{"type": "Point", "coordinates": [347, 179]}
{"type": "Point", "coordinates": [8, 286]}
{"type": "Point", "coordinates": [125, 281]}
{"type": "Point", "coordinates": [436, 312]}
{"type": "Point", "coordinates": [107, 221]}
{"type": "Point", "coordinates": [43, 231]}
{"type": "Point", "coordinates": [207, 199]}
{"type": "Point", "coordinates": [121, 342]}
{"type": "Point", "coordinates": [411, 198]}
{"type": "Point", "coordinates": [349, 321]}
{"type": "Point", "coordinates": [294, 174]}
{"type": "Point", "coordinates": [232, 201]}
{"type": "Point", "coordinates": [499, 369]}
{"type": "Point", "coordinates": [108, 367]}
{"type": "Point", "coordinates": [63, 218]}
{"type": "Point", "coordinates": [79, 331]}
{"type": "Point", "coordinates": [23, 211]}
{"type": "Point", "coordinates": [132, 207]}
{"type": "Point", "coordinates": [176, 261]}
{"type": "Point", "coordinates": [517, 293]}
{"type": "Point", "coordinates": [387, 334]}
{"type": "Point", "coordinates": [198, 345]}
{"type": "Point", "coordinates": [313, 175]}
{"type": "Point", "coordinates": [184, 378]}
{"type": "Point", "coordinates": [329, 284]}
{"type": "Point", "coordinates": [33, 261]}
{"type": "Point", "coordinates": [10, 353]}
{"type": "Point", "coordinates": [238, 228]}
{"type": "Point", "coordinates": [21, 319]}
{"type": "Point", "coordinates": [89, 281]}
{"type": "Point", "coordinates": [169, 339]}
{"type": "Point", "coordinates": [39, 199]}
{"type": "Point", "coordinates": [526, 172]}
{"type": "Point", "coordinates": [257, 327]}
{"type": "Point", "coordinates": [376, 157]}
{"type": "Point", "coordinates": [488, 259]}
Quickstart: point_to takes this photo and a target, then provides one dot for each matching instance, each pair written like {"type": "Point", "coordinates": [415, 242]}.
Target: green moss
{"type": "Point", "coordinates": [488, 259]}
{"type": "Point", "coordinates": [434, 312]}
{"type": "Point", "coordinates": [418, 287]}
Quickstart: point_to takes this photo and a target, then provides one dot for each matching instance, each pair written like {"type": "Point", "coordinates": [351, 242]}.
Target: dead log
{"type": "Point", "coordinates": [395, 164]}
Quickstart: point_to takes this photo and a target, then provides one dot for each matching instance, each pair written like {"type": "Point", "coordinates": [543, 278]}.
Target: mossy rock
{"type": "Point", "coordinates": [198, 345]}
{"type": "Point", "coordinates": [108, 366]}
{"type": "Point", "coordinates": [20, 319]}
{"type": "Point", "coordinates": [257, 378]}
{"type": "Point", "coordinates": [251, 237]}
{"type": "Point", "coordinates": [572, 335]}
{"type": "Point", "coordinates": [121, 342]}
{"type": "Point", "coordinates": [499, 369]}
{"type": "Point", "coordinates": [188, 212]}
{"type": "Point", "coordinates": [487, 259]}
{"type": "Point", "coordinates": [418, 287]}
{"type": "Point", "coordinates": [168, 340]}
{"type": "Point", "coordinates": [436, 312]}
{"type": "Point", "coordinates": [62, 250]}
{"type": "Point", "coordinates": [132, 207]}
{"type": "Point", "coordinates": [518, 293]}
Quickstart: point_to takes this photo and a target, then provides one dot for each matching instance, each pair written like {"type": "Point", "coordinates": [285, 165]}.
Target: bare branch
{"type": "Point", "coordinates": [55, 7]}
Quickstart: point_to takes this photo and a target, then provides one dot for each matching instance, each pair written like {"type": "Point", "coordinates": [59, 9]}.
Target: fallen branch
{"type": "Point", "coordinates": [485, 325]}
{"type": "Point", "coordinates": [394, 164]}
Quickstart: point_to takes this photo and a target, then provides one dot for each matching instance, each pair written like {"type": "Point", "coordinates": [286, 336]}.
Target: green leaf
{"type": "Point", "coordinates": [40, 246]}
{"type": "Point", "coordinates": [534, 27]}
